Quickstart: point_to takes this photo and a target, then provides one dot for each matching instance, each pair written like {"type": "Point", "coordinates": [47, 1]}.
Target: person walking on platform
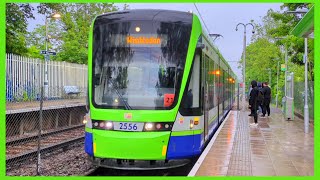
{"type": "Point", "coordinates": [253, 101]}
{"type": "Point", "coordinates": [267, 99]}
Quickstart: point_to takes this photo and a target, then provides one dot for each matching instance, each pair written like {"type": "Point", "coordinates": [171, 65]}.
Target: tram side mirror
{"type": "Point", "coordinates": [200, 45]}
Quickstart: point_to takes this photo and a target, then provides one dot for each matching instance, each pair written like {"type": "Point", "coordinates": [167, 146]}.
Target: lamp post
{"type": "Point", "coordinates": [306, 108]}
{"type": "Point", "coordinates": [244, 59]}
{"type": "Point", "coordinates": [277, 84]}
{"type": "Point", "coordinates": [285, 72]}
{"type": "Point", "coordinates": [46, 56]}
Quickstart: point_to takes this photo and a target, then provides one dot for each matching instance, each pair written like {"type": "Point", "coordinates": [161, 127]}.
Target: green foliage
{"type": "Point", "coordinates": [36, 38]}
{"type": "Point", "coordinates": [69, 35]}
{"type": "Point", "coordinates": [266, 50]}
{"type": "Point", "coordinates": [16, 27]}
{"type": "Point", "coordinates": [261, 55]}
{"type": "Point", "coordinates": [294, 44]}
{"type": "Point", "coordinates": [25, 96]}
{"type": "Point", "coordinates": [34, 52]}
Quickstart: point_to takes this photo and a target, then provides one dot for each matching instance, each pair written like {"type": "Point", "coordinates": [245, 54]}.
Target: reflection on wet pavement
{"type": "Point", "coordinates": [276, 147]}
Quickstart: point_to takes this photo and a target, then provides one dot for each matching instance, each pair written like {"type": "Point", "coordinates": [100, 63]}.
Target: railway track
{"type": "Point", "coordinates": [16, 141]}
{"type": "Point", "coordinates": [33, 153]}
{"type": "Point", "coordinates": [26, 148]}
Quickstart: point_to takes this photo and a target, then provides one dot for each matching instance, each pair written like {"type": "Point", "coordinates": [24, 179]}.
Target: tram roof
{"type": "Point", "coordinates": [149, 14]}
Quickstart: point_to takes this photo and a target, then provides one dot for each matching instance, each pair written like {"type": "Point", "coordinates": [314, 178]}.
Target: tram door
{"type": "Point", "coordinates": [205, 67]}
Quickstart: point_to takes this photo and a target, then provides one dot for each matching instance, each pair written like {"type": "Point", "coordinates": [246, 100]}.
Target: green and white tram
{"type": "Point", "coordinates": [158, 89]}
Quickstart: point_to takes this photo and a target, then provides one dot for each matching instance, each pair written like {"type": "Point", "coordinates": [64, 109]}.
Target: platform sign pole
{"type": "Point", "coordinates": [306, 108]}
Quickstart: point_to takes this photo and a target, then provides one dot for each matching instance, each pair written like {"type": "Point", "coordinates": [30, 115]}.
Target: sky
{"type": "Point", "coordinates": [220, 18]}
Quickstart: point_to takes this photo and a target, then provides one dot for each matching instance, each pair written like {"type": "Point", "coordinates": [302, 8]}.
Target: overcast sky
{"type": "Point", "coordinates": [219, 18]}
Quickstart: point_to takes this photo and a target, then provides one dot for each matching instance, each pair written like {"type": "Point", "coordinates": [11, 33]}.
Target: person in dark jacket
{"type": "Point", "coordinates": [267, 99]}
{"type": "Point", "coordinates": [253, 101]}
{"type": "Point", "coordinates": [251, 114]}
{"type": "Point", "coordinates": [260, 101]}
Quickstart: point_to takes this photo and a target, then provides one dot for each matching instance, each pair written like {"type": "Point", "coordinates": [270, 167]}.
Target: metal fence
{"type": "Point", "coordinates": [38, 133]}
{"type": "Point", "coordinates": [25, 76]}
{"type": "Point", "coordinates": [43, 132]}
{"type": "Point", "coordinates": [299, 98]}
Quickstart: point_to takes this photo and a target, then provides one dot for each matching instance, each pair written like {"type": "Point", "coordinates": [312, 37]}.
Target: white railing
{"type": "Point", "coordinates": [24, 77]}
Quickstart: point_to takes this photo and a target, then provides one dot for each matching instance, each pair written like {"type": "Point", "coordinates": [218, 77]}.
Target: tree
{"type": "Point", "coordinates": [280, 24]}
{"type": "Point", "coordinates": [264, 52]}
{"type": "Point", "coordinates": [286, 22]}
{"type": "Point", "coordinates": [16, 27]}
{"type": "Point", "coordinates": [69, 36]}
{"type": "Point", "coordinates": [36, 39]}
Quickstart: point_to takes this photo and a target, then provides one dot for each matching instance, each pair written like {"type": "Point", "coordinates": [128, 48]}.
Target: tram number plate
{"type": "Point", "coordinates": [128, 126]}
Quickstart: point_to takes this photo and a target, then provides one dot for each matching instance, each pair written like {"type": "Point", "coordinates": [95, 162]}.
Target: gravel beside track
{"type": "Point", "coordinates": [65, 162]}
{"type": "Point", "coordinates": [16, 150]}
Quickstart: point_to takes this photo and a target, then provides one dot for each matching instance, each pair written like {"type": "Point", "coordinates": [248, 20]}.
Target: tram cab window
{"type": "Point", "coordinates": [138, 69]}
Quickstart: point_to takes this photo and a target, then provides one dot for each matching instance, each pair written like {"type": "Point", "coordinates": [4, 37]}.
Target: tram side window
{"type": "Point", "coordinates": [194, 86]}
{"type": "Point", "coordinates": [225, 83]}
{"type": "Point", "coordinates": [216, 84]}
{"type": "Point", "coordinates": [221, 91]}
{"type": "Point", "coordinates": [190, 104]}
{"type": "Point", "coordinates": [211, 84]}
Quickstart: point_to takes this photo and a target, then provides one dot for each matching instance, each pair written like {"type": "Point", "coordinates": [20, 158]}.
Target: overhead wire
{"type": "Point", "coordinates": [201, 17]}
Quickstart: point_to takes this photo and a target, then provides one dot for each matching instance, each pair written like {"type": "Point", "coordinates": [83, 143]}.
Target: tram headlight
{"type": "Point", "coordinates": [158, 126]}
{"type": "Point", "coordinates": [148, 126]}
{"type": "Point", "coordinates": [103, 125]}
{"type": "Point", "coordinates": [109, 125]}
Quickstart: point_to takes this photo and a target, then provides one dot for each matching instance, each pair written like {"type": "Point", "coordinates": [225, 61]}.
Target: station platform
{"type": "Point", "coordinates": [22, 107]}
{"type": "Point", "coordinates": [276, 147]}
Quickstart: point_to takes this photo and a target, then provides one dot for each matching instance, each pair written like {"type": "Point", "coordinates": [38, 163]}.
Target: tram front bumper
{"type": "Point", "coordinates": [130, 145]}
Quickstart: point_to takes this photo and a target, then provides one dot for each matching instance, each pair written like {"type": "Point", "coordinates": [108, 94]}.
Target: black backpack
{"type": "Point", "coordinates": [260, 95]}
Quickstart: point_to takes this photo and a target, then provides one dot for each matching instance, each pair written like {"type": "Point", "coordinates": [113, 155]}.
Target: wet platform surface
{"type": "Point", "coordinates": [276, 147]}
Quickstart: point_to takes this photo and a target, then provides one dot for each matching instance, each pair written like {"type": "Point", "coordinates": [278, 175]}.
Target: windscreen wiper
{"type": "Point", "coordinates": [119, 95]}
